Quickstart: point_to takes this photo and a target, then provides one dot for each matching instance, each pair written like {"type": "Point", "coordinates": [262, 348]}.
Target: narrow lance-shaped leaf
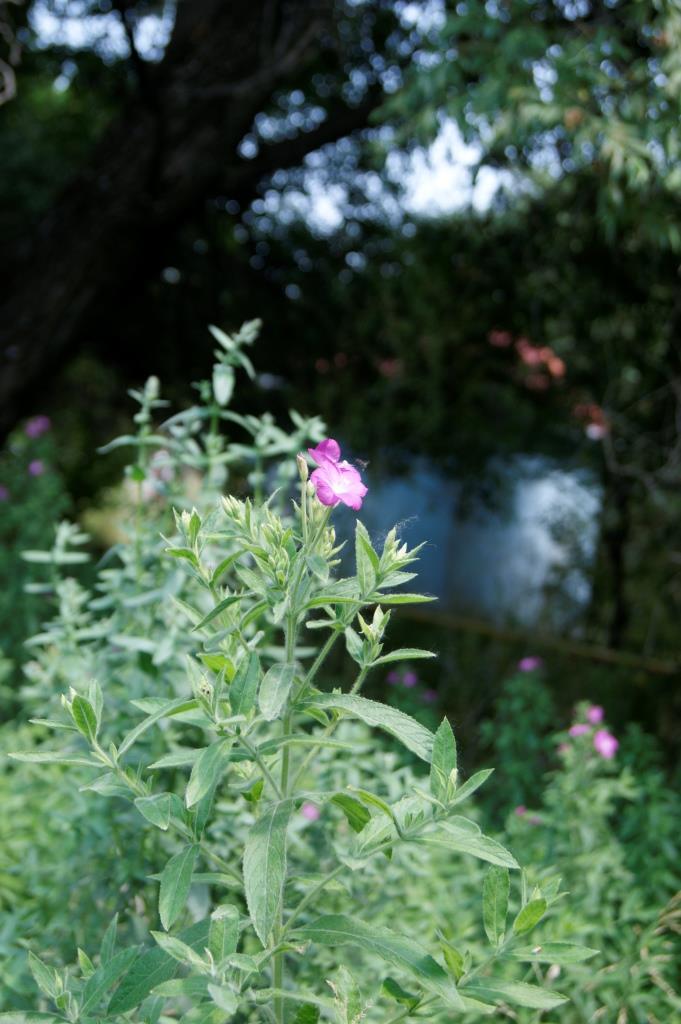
{"type": "Point", "coordinates": [395, 949]}
{"type": "Point", "coordinates": [224, 932]}
{"type": "Point", "coordinates": [514, 992]}
{"type": "Point", "coordinates": [411, 733]}
{"type": "Point", "coordinates": [561, 953]}
{"type": "Point", "coordinates": [206, 770]}
{"type": "Point", "coordinates": [106, 976]}
{"type": "Point", "coordinates": [244, 688]}
{"type": "Point", "coordinates": [367, 560]}
{"type": "Point", "coordinates": [529, 916]}
{"type": "Point", "coordinates": [274, 690]}
{"type": "Point", "coordinates": [265, 867]}
{"type": "Point", "coordinates": [495, 892]}
{"type": "Point", "coordinates": [443, 764]}
{"type": "Point", "coordinates": [176, 879]}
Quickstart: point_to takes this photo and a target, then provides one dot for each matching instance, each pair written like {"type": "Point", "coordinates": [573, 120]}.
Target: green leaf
{"type": "Point", "coordinates": [83, 715]}
{"type": "Point", "coordinates": [165, 710]}
{"type": "Point", "coordinates": [275, 689]}
{"type": "Point", "coordinates": [244, 688]}
{"type": "Point", "coordinates": [264, 867]}
{"type": "Point", "coordinates": [30, 1017]}
{"type": "Point", "coordinates": [223, 383]}
{"type": "Point", "coordinates": [470, 785]}
{"type": "Point", "coordinates": [176, 879]}
{"type": "Point", "coordinates": [224, 997]}
{"type": "Point", "coordinates": [354, 645]}
{"type": "Point", "coordinates": [207, 770]}
{"type": "Point", "coordinates": [456, 964]}
{"type": "Point", "coordinates": [373, 801]}
{"type": "Point", "coordinates": [495, 892]}
{"type": "Point", "coordinates": [152, 968]}
{"type": "Point", "coordinates": [561, 953]}
{"type": "Point", "coordinates": [355, 812]}
{"type": "Point", "coordinates": [179, 950]}
{"type": "Point", "coordinates": [411, 733]}
{"type": "Point", "coordinates": [453, 837]}
{"type": "Point", "coordinates": [87, 968]}
{"type": "Point", "coordinates": [530, 915]}
{"type": "Point", "coordinates": [106, 950]}
{"type": "Point", "coordinates": [52, 757]}
{"type": "Point", "coordinates": [443, 764]}
{"type": "Point", "coordinates": [339, 930]}
{"type": "Point", "coordinates": [319, 566]}
{"type": "Point", "coordinates": [45, 977]}
{"type": "Point", "coordinates": [401, 598]}
{"type": "Point", "coordinates": [306, 1014]}
{"type": "Point", "coordinates": [224, 932]}
{"type": "Point", "coordinates": [220, 608]}
{"type": "Point", "coordinates": [404, 654]}
{"type": "Point", "coordinates": [514, 992]}
{"type": "Point", "coordinates": [156, 809]}
{"type": "Point", "coordinates": [224, 565]}
{"type": "Point", "coordinates": [366, 559]}
{"type": "Point", "coordinates": [395, 991]}
{"type": "Point", "coordinates": [106, 976]}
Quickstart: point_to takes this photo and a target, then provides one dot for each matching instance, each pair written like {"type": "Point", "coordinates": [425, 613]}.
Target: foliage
{"type": "Point", "coordinates": [267, 813]}
{"type": "Point", "coordinates": [32, 494]}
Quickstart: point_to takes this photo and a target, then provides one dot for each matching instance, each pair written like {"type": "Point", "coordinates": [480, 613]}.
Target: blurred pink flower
{"type": "Point", "coordinates": [36, 467]}
{"type": "Point", "coordinates": [529, 354]}
{"type": "Point", "coordinates": [580, 729]}
{"type": "Point", "coordinates": [555, 366]}
{"type": "Point", "coordinates": [605, 744]}
{"type": "Point", "coordinates": [596, 431]}
{"type": "Point", "coordinates": [537, 381]}
{"type": "Point", "coordinates": [500, 339]}
{"type": "Point", "coordinates": [4, 493]}
{"type": "Point", "coordinates": [393, 677]}
{"type": "Point", "coordinates": [390, 368]}
{"type": "Point", "coordinates": [335, 481]}
{"type": "Point", "coordinates": [563, 748]}
{"type": "Point", "coordinates": [430, 696]}
{"type": "Point", "coordinates": [410, 679]}
{"type": "Point", "coordinates": [310, 811]}
{"type": "Point", "coordinates": [595, 714]}
{"type": "Point", "coordinates": [520, 810]}
{"type": "Point", "coordinates": [37, 425]}
{"type": "Point", "coordinates": [530, 663]}
{"type": "Point", "coordinates": [322, 365]}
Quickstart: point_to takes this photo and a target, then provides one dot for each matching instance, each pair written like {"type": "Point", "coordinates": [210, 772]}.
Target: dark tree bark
{"type": "Point", "coordinates": [175, 146]}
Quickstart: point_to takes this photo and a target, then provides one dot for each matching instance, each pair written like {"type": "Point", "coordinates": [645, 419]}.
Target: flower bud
{"type": "Point", "coordinates": [303, 471]}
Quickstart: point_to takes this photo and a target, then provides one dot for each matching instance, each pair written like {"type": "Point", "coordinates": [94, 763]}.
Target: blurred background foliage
{"type": "Point", "coordinates": [168, 165]}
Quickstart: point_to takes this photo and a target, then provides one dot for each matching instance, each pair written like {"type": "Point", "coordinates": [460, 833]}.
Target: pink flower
{"type": "Point", "coordinates": [595, 714]}
{"type": "Point", "coordinates": [36, 467]}
{"type": "Point", "coordinates": [410, 679]}
{"type": "Point", "coordinates": [556, 366]}
{"type": "Point", "coordinates": [606, 744]}
{"type": "Point", "coordinates": [579, 729]}
{"type": "Point", "coordinates": [530, 664]}
{"type": "Point", "coordinates": [335, 481]}
{"type": "Point", "coordinates": [310, 811]}
{"type": "Point", "coordinates": [563, 748]}
{"type": "Point", "coordinates": [500, 339]}
{"type": "Point", "coordinates": [4, 493]}
{"type": "Point", "coordinates": [520, 810]}
{"type": "Point", "coordinates": [37, 425]}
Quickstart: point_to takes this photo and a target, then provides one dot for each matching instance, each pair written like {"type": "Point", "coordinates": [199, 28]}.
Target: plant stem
{"type": "Point", "coordinates": [311, 895]}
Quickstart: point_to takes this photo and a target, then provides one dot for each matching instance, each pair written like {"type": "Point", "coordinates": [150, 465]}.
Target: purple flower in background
{"type": "Point", "coordinates": [335, 481]}
{"type": "Point", "coordinates": [410, 679]}
{"type": "Point", "coordinates": [580, 729]}
{"type": "Point", "coordinates": [309, 811]}
{"type": "Point", "coordinates": [36, 467]}
{"type": "Point", "coordinates": [37, 426]}
{"type": "Point", "coordinates": [595, 714]}
{"type": "Point", "coordinates": [393, 677]}
{"type": "Point", "coordinates": [606, 744]}
{"type": "Point", "coordinates": [520, 810]}
{"type": "Point", "coordinates": [4, 493]}
{"type": "Point", "coordinates": [530, 664]}
{"type": "Point", "coordinates": [430, 696]}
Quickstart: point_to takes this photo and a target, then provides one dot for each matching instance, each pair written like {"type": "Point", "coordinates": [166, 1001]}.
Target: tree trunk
{"type": "Point", "coordinates": [155, 165]}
